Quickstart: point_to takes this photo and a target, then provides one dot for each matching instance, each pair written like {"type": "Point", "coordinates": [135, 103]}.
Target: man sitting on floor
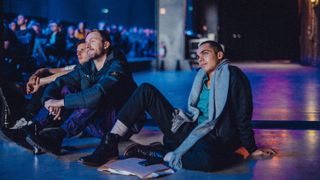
{"type": "Point", "coordinates": [214, 134]}
{"type": "Point", "coordinates": [36, 117]}
{"type": "Point", "coordinates": [39, 80]}
{"type": "Point", "coordinates": [102, 85]}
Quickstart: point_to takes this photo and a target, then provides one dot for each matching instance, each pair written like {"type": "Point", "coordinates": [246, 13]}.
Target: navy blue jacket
{"type": "Point", "coordinates": [112, 85]}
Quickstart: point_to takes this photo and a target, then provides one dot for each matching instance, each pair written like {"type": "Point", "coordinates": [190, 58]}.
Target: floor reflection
{"type": "Point", "coordinates": [280, 91]}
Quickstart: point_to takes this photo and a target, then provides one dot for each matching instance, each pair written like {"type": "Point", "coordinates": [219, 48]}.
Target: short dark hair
{"type": "Point", "coordinates": [104, 34]}
{"type": "Point", "coordinates": [55, 21]}
{"type": "Point", "coordinates": [214, 45]}
{"type": "Point", "coordinates": [81, 41]}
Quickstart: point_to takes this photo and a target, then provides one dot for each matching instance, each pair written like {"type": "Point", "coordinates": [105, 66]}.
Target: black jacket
{"type": "Point", "coordinates": [234, 128]}
{"type": "Point", "coordinates": [112, 85]}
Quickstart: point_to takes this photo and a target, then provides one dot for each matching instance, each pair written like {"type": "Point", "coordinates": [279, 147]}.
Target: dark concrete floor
{"type": "Point", "coordinates": [282, 92]}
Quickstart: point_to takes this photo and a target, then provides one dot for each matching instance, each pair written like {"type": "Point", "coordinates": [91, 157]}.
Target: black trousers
{"type": "Point", "coordinates": [34, 105]}
{"type": "Point", "coordinates": [206, 155]}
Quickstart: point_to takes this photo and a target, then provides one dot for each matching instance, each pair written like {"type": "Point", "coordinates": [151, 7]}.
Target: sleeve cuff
{"type": "Point", "coordinates": [243, 152]}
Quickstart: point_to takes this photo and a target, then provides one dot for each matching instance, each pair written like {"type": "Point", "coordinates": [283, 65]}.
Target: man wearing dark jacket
{"type": "Point", "coordinates": [56, 42]}
{"type": "Point", "coordinates": [215, 132]}
{"type": "Point", "coordinates": [105, 82]}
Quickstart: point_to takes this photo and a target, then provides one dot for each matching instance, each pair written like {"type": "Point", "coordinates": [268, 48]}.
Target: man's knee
{"type": "Point", "coordinates": [146, 86]}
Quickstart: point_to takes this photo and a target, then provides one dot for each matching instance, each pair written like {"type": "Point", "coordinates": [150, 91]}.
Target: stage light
{"type": "Point", "coordinates": [314, 2]}
{"type": "Point", "coordinates": [105, 10]}
{"type": "Point", "coordinates": [163, 11]}
{"type": "Point", "coordinates": [189, 32]}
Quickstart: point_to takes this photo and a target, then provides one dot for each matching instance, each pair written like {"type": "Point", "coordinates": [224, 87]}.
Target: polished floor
{"type": "Point", "coordinates": [282, 93]}
{"type": "Point", "coordinates": [298, 158]}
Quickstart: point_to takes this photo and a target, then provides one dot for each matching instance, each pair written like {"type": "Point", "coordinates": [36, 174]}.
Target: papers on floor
{"type": "Point", "coordinates": [137, 167]}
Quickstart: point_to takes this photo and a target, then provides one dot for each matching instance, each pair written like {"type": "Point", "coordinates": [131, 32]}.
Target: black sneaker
{"type": "Point", "coordinates": [154, 152]}
{"type": "Point", "coordinates": [18, 136]}
{"type": "Point", "coordinates": [19, 132]}
{"type": "Point", "coordinates": [32, 128]}
{"type": "Point", "coordinates": [22, 127]}
{"type": "Point", "coordinates": [22, 122]}
{"type": "Point", "coordinates": [47, 140]}
{"type": "Point", "coordinates": [106, 151]}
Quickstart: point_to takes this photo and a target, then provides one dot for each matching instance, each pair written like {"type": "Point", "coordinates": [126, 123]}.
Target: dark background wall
{"type": "Point", "coordinates": [205, 14]}
{"type": "Point", "coordinates": [310, 33]}
{"type": "Point", "coordinates": [121, 12]}
{"type": "Point", "coordinates": [260, 29]}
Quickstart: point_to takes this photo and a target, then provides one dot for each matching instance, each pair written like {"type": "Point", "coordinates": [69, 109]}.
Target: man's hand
{"type": "Point", "coordinates": [54, 103]}
{"type": "Point", "coordinates": [55, 112]}
{"type": "Point", "coordinates": [34, 80]}
{"type": "Point", "coordinates": [168, 156]}
{"type": "Point", "coordinates": [173, 159]}
{"type": "Point", "coordinates": [42, 72]}
{"type": "Point", "coordinates": [33, 85]}
{"type": "Point", "coordinates": [264, 153]}
{"type": "Point", "coordinates": [35, 77]}
{"type": "Point", "coordinates": [54, 107]}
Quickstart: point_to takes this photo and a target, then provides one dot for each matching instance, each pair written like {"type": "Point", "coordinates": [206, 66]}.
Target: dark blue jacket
{"type": "Point", "coordinates": [112, 85]}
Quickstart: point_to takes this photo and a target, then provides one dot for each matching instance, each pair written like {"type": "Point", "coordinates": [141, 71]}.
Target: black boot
{"type": "Point", "coordinates": [48, 140]}
{"type": "Point", "coordinates": [107, 150]}
{"type": "Point", "coordinates": [154, 152]}
{"type": "Point", "coordinates": [32, 128]}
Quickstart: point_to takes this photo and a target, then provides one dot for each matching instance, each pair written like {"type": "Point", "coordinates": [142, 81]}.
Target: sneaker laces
{"type": "Point", "coordinates": [150, 153]}
{"type": "Point", "coordinates": [153, 151]}
{"type": "Point", "coordinates": [21, 123]}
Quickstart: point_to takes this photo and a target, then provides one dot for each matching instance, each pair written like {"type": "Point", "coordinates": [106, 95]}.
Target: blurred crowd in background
{"type": "Point", "coordinates": [29, 44]}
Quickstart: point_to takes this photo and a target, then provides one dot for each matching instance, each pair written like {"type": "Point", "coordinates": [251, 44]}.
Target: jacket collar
{"type": "Point", "coordinates": [90, 68]}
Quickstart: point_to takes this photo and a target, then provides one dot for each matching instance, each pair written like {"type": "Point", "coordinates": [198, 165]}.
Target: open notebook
{"type": "Point", "coordinates": [137, 167]}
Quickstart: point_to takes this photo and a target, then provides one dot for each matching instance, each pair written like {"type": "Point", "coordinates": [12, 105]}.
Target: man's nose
{"type": "Point", "coordinates": [200, 59]}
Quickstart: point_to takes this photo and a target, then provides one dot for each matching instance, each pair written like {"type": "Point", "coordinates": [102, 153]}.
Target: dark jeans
{"type": "Point", "coordinates": [90, 121]}
{"type": "Point", "coordinates": [206, 155]}
{"type": "Point", "coordinates": [34, 104]}
{"type": "Point", "coordinates": [94, 122]}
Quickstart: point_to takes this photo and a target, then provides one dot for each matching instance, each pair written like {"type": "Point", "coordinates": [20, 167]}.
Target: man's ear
{"type": "Point", "coordinates": [106, 45]}
{"type": "Point", "coordinates": [220, 55]}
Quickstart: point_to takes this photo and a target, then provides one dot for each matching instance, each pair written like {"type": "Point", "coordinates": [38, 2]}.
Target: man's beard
{"type": "Point", "coordinates": [95, 54]}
